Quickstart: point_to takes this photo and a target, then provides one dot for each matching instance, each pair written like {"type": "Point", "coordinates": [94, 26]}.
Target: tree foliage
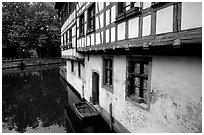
{"type": "Point", "coordinates": [30, 26]}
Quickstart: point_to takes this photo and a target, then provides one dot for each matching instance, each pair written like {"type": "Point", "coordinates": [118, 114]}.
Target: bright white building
{"type": "Point", "coordinates": [141, 62]}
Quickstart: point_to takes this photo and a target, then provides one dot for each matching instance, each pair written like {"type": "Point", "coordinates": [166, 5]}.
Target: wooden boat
{"type": "Point", "coordinates": [85, 111]}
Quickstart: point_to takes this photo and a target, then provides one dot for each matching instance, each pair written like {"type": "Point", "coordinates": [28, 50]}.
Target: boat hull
{"type": "Point", "coordinates": [85, 111]}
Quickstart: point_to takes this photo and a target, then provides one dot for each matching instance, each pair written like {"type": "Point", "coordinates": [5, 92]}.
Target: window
{"type": "Point", "coordinates": [132, 4]}
{"type": "Point", "coordinates": [70, 38]}
{"type": "Point", "coordinates": [67, 38]}
{"type": "Point", "coordinates": [72, 66]}
{"type": "Point", "coordinates": [91, 18]}
{"type": "Point", "coordinates": [66, 11]}
{"type": "Point", "coordinates": [81, 25]}
{"type": "Point", "coordinates": [79, 69]}
{"type": "Point", "coordinates": [63, 39]}
{"type": "Point", "coordinates": [127, 9]}
{"type": "Point", "coordinates": [138, 76]}
{"type": "Point", "coordinates": [121, 6]}
{"type": "Point", "coordinates": [108, 72]}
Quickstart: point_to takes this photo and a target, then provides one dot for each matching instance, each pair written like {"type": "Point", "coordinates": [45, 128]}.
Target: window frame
{"type": "Point", "coordinates": [70, 38]}
{"type": "Point", "coordinates": [90, 17]}
{"type": "Point", "coordinates": [81, 25]}
{"type": "Point", "coordinates": [137, 99]}
{"type": "Point", "coordinates": [110, 69]}
{"type": "Point", "coordinates": [132, 11]}
{"type": "Point", "coordinates": [79, 69]}
{"type": "Point", "coordinates": [119, 6]}
{"type": "Point", "coordinates": [72, 66]}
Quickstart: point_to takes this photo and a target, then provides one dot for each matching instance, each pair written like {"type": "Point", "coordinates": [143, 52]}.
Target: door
{"type": "Point", "coordinates": [95, 88]}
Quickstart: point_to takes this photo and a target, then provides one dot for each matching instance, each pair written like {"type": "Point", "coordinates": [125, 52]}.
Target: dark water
{"type": "Point", "coordinates": [35, 100]}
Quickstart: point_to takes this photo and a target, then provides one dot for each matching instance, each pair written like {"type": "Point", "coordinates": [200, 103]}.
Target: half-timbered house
{"type": "Point", "coordinates": [138, 63]}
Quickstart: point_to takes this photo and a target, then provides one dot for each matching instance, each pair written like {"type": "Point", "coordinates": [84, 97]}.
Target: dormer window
{"type": "Point", "coordinates": [81, 25]}
{"type": "Point", "coordinates": [121, 6]}
{"type": "Point", "coordinates": [127, 9]}
{"type": "Point", "coordinates": [132, 4]}
{"type": "Point", "coordinates": [91, 18]}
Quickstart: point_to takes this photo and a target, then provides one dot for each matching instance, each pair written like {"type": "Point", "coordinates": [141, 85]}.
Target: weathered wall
{"type": "Point", "coordinates": [73, 78]}
{"type": "Point", "coordinates": [176, 99]}
{"type": "Point", "coordinates": [176, 102]}
{"type": "Point", "coordinates": [177, 91]}
{"type": "Point", "coordinates": [93, 65]}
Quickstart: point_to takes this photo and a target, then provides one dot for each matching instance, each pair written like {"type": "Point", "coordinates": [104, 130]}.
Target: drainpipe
{"type": "Point", "coordinates": [110, 117]}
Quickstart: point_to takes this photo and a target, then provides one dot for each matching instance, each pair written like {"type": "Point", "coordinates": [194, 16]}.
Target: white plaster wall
{"type": "Point", "coordinates": [180, 74]}
{"type": "Point", "coordinates": [67, 52]}
{"type": "Point", "coordinates": [113, 14]}
{"type": "Point", "coordinates": [92, 39]}
{"type": "Point", "coordinates": [107, 3]}
{"type": "Point", "coordinates": [133, 28]}
{"type": "Point", "coordinates": [85, 28]}
{"type": "Point", "coordinates": [175, 101]}
{"type": "Point", "coordinates": [121, 31]}
{"type": "Point", "coordinates": [107, 35]}
{"type": "Point", "coordinates": [98, 38]}
{"type": "Point", "coordinates": [78, 43]}
{"type": "Point", "coordinates": [177, 92]}
{"type": "Point", "coordinates": [107, 17]}
{"type": "Point", "coordinates": [88, 38]}
{"type": "Point", "coordinates": [77, 32]}
{"type": "Point", "coordinates": [101, 20]}
{"type": "Point", "coordinates": [94, 63]}
{"type": "Point", "coordinates": [146, 4]}
{"type": "Point", "coordinates": [73, 78]}
{"type": "Point", "coordinates": [112, 34]}
{"type": "Point", "coordinates": [85, 16]}
{"type": "Point", "coordinates": [101, 4]}
{"type": "Point", "coordinates": [97, 22]}
{"type": "Point", "coordinates": [176, 104]}
{"type": "Point", "coordinates": [191, 15]}
{"type": "Point", "coordinates": [164, 20]}
{"type": "Point", "coordinates": [146, 27]}
{"type": "Point", "coordinates": [74, 42]}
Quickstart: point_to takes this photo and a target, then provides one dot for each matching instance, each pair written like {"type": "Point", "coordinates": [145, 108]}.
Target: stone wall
{"type": "Point", "coordinates": [29, 62]}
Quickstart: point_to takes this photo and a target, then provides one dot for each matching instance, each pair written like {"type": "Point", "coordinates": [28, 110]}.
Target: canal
{"type": "Point", "coordinates": [34, 100]}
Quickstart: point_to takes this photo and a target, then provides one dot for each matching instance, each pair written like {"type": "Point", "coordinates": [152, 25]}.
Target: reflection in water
{"type": "Point", "coordinates": [33, 100]}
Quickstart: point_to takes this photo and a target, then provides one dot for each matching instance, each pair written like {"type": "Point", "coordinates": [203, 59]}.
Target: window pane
{"type": "Point", "coordinates": [120, 7]}
{"type": "Point", "coordinates": [106, 63]}
{"type": "Point", "coordinates": [108, 73]}
{"type": "Point", "coordinates": [136, 81]}
{"type": "Point", "coordinates": [108, 80]}
{"type": "Point", "coordinates": [136, 91]}
{"type": "Point", "coordinates": [111, 80]}
{"type": "Point", "coordinates": [145, 94]}
{"type": "Point", "coordinates": [146, 69]}
{"type": "Point", "coordinates": [132, 4]}
{"type": "Point", "coordinates": [145, 84]}
{"type": "Point", "coordinates": [110, 63]}
{"type": "Point", "coordinates": [137, 68]}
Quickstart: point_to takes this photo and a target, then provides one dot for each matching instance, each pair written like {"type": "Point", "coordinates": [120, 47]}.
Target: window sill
{"type": "Point", "coordinates": [137, 103]}
{"type": "Point", "coordinates": [108, 88]}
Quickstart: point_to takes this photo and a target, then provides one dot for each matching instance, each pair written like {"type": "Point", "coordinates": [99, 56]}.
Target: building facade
{"type": "Point", "coordinates": [138, 63]}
